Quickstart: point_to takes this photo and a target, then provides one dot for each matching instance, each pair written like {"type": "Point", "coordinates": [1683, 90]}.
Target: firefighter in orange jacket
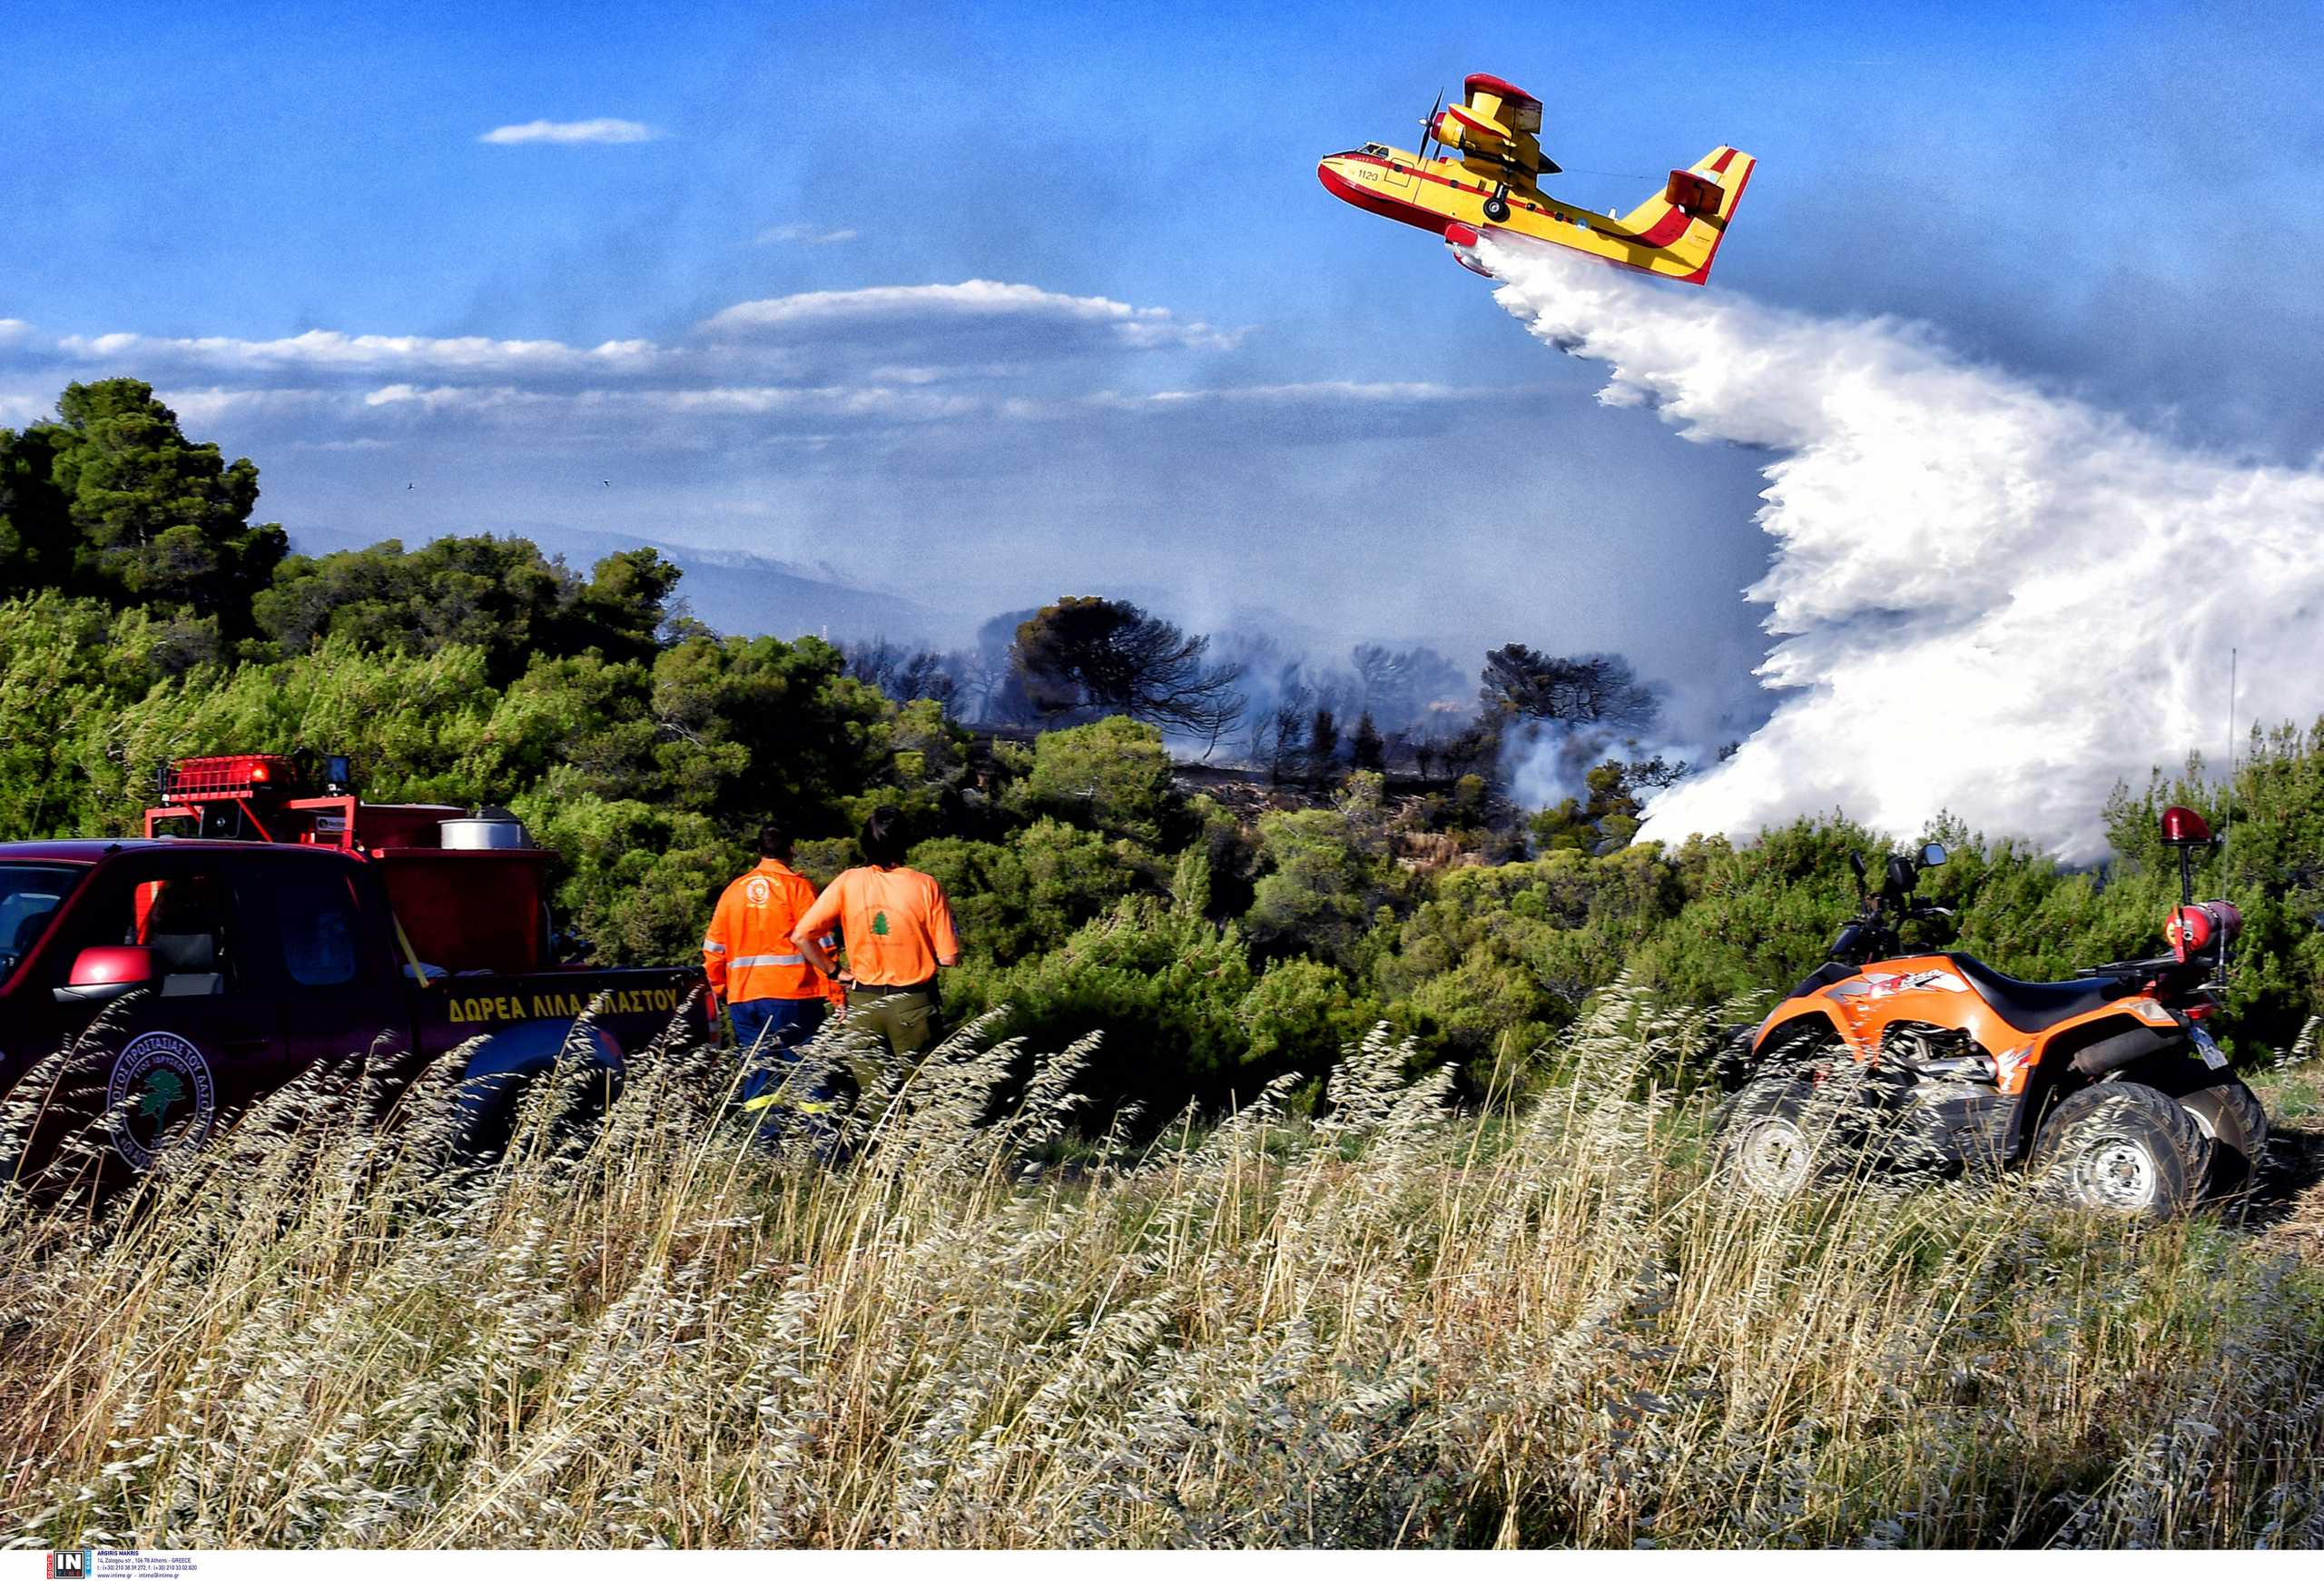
{"type": "Point", "coordinates": [775, 999]}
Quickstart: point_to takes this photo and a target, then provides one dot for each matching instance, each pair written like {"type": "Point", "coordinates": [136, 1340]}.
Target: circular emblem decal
{"type": "Point", "coordinates": [159, 1097]}
{"type": "Point", "coordinates": [758, 891]}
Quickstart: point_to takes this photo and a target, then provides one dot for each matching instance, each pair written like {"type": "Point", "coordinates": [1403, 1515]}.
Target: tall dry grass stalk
{"type": "Point", "coordinates": [1395, 1325]}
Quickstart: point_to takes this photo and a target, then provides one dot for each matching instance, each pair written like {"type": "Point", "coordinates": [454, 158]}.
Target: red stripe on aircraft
{"type": "Point", "coordinates": [1666, 230]}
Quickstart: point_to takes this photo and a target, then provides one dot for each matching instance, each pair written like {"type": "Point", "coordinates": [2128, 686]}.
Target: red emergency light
{"type": "Point", "coordinates": [241, 775]}
{"type": "Point", "coordinates": [2184, 826]}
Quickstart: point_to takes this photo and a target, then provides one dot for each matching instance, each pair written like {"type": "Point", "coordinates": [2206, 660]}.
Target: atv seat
{"type": "Point", "coordinates": [2034, 1006]}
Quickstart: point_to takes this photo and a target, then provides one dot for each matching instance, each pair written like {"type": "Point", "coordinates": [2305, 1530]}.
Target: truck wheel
{"type": "Point", "coordinates": [503, 1070]}
{"type": "Point", "coordinates": [1768, 1143]}
{"type": "Point", "coordinates": [2230, 1114]}
{"type": "Point", "coordinates": [2122, 1147]}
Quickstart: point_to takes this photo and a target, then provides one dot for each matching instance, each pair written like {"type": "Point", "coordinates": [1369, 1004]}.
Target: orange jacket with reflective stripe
{"type": "Point", "coordinates": [748, 952]}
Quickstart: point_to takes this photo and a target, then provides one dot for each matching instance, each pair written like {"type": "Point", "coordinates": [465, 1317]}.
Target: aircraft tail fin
{"type": "Point", "coordinates": [1687, 218]}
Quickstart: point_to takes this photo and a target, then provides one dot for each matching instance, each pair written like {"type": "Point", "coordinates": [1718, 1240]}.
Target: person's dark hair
{"type": "Point", "coordinates": [773, 842]}
{"type": "Point", "coordinates": [883, 839]}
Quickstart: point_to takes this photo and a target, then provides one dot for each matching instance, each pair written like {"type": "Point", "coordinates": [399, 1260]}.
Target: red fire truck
{"type": "Point", "coordinates": [271, 919]}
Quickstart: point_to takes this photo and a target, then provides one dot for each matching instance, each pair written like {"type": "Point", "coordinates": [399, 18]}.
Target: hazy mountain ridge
{"type": "Point", "coordinates": [730, 589]}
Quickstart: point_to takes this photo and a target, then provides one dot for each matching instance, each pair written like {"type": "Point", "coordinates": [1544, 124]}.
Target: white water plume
{"type": "Point", "coordinates": [1987, 599]}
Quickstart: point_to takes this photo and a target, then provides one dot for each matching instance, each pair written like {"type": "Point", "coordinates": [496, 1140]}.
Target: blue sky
{"type": "Point", "coordinates": [1350, 438]}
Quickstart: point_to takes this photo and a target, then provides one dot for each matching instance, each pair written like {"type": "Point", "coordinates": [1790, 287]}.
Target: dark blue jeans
{"type": "Point", "coordinates": [768, 1034]}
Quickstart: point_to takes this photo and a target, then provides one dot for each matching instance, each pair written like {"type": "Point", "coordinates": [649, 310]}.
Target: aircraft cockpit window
{"type": "Point", "coordinates": [1380, 149]}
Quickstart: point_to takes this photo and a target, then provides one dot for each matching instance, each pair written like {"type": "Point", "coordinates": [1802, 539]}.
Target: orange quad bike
{"type": "Point", "coordinates": [2108, 1087]}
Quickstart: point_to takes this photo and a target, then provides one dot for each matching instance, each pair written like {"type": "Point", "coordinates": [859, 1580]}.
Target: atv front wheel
{"type": "Point", "coordinates": [1768, 1140]}
{"type": "Point", "coordinates": [2122, 1147]}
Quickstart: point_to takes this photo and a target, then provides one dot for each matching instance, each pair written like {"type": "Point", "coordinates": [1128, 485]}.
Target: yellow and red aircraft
{"type": "Point", "coordinates": [1485, 180]}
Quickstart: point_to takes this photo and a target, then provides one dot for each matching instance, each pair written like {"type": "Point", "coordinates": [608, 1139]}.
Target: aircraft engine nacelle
{"type": "Point", "coordinates": [1480, 141]}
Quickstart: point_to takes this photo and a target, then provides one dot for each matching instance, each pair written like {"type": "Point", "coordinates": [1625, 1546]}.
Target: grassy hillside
{"type": "Point", "coordinates": [1396, 1325]}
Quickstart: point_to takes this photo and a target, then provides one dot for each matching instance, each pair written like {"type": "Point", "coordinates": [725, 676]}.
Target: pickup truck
{"type": "Point", "coordinates": [230, 965]}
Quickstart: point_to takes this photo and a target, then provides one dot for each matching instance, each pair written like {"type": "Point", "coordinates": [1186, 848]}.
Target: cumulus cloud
{"type": "Point", "coordinates": [1988, 598]}
{"type": "Point", "coordinates": [971, 302]}
{"type": "Point", "coordinates": [603, 129]}
{"type": "Point", "coordinates": [807, 235]}
{"type": "Point", "coordinates": [14, 329]}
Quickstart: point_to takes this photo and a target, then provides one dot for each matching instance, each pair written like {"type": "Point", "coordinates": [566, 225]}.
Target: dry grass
{"type": "Point", "coordinates": [1398, 1326]}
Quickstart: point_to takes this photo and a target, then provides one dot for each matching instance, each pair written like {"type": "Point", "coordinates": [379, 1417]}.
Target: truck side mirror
{"type": "Point", "coordinates": [1931, 855]}
{"type": "Point", "coordinates": [106, 972]}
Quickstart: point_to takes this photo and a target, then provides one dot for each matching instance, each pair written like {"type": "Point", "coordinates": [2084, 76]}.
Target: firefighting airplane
{"type": "Point", "coordinates": [1485, 180]}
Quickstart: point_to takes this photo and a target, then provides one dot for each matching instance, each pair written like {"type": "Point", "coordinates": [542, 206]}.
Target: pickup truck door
{"type": "Point", "coordinates": [204, 1042]}
{"type": "Point", "coordinates": [324, 956]}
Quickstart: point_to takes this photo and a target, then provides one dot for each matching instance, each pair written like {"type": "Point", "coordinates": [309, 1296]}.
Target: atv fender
{"type": "Point", "coordinates": [1746, 1053]}
{"type": "Point", "coordinates": [1791, 1018]}
{"type": "Point", "coordinates": [2104, 1050]}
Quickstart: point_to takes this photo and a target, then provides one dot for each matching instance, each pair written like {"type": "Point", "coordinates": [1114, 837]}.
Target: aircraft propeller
{"type": "Point", "coordinates": [1428, 127]}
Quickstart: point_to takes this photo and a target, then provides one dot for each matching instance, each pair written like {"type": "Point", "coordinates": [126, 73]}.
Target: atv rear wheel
{"type": "Point", "coordinates": [2230, 1114]}
{"type": "Point", "coordinates": [2122, 1147]}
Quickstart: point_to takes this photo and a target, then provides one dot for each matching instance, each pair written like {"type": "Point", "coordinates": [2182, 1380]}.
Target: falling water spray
{"type": "Point", "coordinates": [1986, 597]}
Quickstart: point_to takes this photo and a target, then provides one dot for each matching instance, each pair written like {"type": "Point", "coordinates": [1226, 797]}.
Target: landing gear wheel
{"type": "Point", "coordinates": [1496, 208]}
{"type": "Point", "coordinates": [2122, 1147]}
{"type": "Point", "coordinates": [2230, 1114]}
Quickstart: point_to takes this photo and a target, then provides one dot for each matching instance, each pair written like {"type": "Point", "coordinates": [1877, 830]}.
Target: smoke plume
{"type": "Point", "coordinates": [1986, 597]}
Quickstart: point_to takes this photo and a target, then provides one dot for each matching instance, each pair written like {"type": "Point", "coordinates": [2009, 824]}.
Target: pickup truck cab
{"type": "Point", "coordinates": [223, 967]}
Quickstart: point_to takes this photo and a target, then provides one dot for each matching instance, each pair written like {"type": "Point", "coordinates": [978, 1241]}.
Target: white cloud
{"type": "Point", "coordinates": [1332, 392]}
{"type": "Point", "coordinates": [25, 406]}
{"type": "Point", "coordinates": [821, 401]}
{"type": "Point", "coordinates": [807, 235]}
{"type": "Point", "coordinates": [1318, 394]}
{"type": "Point", "coordinates": [448, 397]}
{"type": "Point", "coordinates": [14, 329]}
{"type": "Point", "coordinates": [328, 350]}
{"type": "Point", "coordinates": [970, 301]}
{"type": "Point", "coordinates": [202, 407]}
{"type": "Point", "coordinates": [603, 129]}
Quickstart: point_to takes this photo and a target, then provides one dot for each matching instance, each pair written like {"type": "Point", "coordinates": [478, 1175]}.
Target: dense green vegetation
{"type": "Point", "coordinates": [145, 618]}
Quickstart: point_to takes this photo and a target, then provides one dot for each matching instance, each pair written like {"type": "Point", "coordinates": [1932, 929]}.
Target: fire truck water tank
{"type": "Point", "coordinates": [486, 829]}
